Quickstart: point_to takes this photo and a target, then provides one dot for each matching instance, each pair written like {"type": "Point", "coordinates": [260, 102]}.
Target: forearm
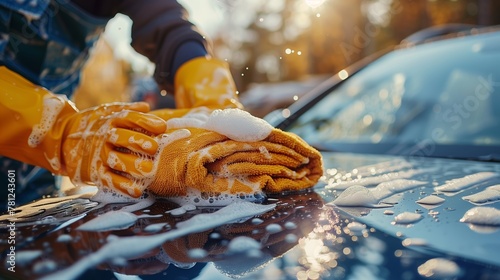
{"type": "Point", "coordinates": [29, 114]}
{"type": "Point", "coordinates": [108, 145]}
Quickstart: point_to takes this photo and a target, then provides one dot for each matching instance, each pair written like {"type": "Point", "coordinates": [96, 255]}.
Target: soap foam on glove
{"type": "Point", "coordinates": [230, 152]}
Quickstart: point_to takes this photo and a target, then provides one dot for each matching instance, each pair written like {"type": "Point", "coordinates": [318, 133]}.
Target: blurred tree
{"type": "Point", "coordinates": [337, 37]}
{"type": "Point", "coordinates": [407, 17]}
{"type": "Point", "coordinates": [486, 11]}
{"type": "Point", "coordinates": [104, 79]}
{"type": "Point", "coordinates": [281, 40]}
{"type": "Point", "coordinates": [442, 12]}
{"type": "Point", "coordinates": [255, 40]}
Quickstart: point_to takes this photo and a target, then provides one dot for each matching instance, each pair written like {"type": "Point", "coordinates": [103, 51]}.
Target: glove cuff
{"type": "Point", "coordinates": [205, 81]}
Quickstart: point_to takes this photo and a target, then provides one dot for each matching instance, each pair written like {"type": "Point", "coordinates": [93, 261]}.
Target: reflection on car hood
{"type": "Point", "coordinates": [62, 238]}
{"type": "Point", "coordinates": [348, 226]}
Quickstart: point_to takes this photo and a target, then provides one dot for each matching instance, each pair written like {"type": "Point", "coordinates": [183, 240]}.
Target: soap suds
{"type": "Point", "coordinates": [113, 220]}
{"type": "Point", "coordinates": [360, 196]}
{"type": "Point", "coordinates": [489, 195]}
{"type": "Point", "coordinates": [131, 247]}
{"type": "Point", "coordinates": [460, 184]}
{"type": "Point", "coordinates": [381, 168]}
{"type": "Point", "coordinates": [356, 228]}
{"type": "Point", "coordinates": [196, 198]}
{"type": "Point", "coordinates": [25, 257]}
{"type": "Point", "coordinates": [356, 196]}
{"type": "Point", "coordinates": [366, 181]}
{"type": "Point", "coordinates": [439, 268]}
{"type": "Point", "coordinates": [52, 106]}
{"type": "Point", "coordinates": [486, 216]}
{"type": "Point", "coordinates": [242, 244]}
{"type": "Point", "coordinates": [410, 242]}
{"type": "Point", "coordinates": [431, 200]}
{"type": "Point", "coordinates": [407, 218]}
{"type": "Point", "coordinates": [386, 189]}
{"type": "Point", "coordinates": [235, 124]}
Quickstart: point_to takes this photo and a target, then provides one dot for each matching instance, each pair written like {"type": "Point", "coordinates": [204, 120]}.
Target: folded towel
{"type": "Point", "coordinates": [232, 152]}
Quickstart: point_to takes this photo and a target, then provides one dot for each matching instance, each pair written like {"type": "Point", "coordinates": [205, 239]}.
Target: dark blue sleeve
{"type": "Point", "coordinates": [186, 51]}
{"type": "Point", "coordinates": [162, 32]}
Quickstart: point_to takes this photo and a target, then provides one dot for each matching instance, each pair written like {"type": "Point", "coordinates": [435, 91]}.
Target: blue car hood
{"type": "Point", "coordinates": [441, 191]}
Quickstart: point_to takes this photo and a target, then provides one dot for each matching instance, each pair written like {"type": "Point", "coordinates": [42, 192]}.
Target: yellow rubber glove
{"type": "Point", "coordinates": [202, 83]}
{"type": "Point", "coordinates": [111, 145]}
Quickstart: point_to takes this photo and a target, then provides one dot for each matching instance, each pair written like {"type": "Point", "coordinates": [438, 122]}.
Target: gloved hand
{"type": "Point", "coordinates": [205, 82]}
{"type": "Point", "coordinates": [111, 145]}
{"type": "Point", "coordinates": [202, 83]}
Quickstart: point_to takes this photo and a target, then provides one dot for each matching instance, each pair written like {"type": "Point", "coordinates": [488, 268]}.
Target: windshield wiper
{"type": "Point", "coordinates": [490, 158]}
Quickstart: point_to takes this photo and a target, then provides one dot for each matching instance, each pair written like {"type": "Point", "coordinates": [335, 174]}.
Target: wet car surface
{"type": "Point", "coordinates": [410, 191]}
{"type": "Point", "coordinates": [301, 235]}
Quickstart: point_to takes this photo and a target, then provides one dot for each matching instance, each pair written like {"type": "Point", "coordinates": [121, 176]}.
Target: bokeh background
{"type": "Point", "coordinates": [275, 42]}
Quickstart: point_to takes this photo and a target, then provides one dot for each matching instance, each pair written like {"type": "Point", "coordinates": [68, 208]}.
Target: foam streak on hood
{"type": "Point", "coordinates": [130, 247]}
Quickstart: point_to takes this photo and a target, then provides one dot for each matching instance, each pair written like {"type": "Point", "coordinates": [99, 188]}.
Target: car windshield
{"type": "Point", "coordinates": [446, 93]}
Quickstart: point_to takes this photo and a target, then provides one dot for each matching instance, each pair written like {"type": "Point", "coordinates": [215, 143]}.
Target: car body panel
{"type": "Point", "coordinates": [306, 220]}
{"type": "Point", "coordinates": [440, 226]}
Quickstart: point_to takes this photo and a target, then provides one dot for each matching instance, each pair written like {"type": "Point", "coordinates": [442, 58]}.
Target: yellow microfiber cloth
{"type": "Point", "coordinates": [232, 152]}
